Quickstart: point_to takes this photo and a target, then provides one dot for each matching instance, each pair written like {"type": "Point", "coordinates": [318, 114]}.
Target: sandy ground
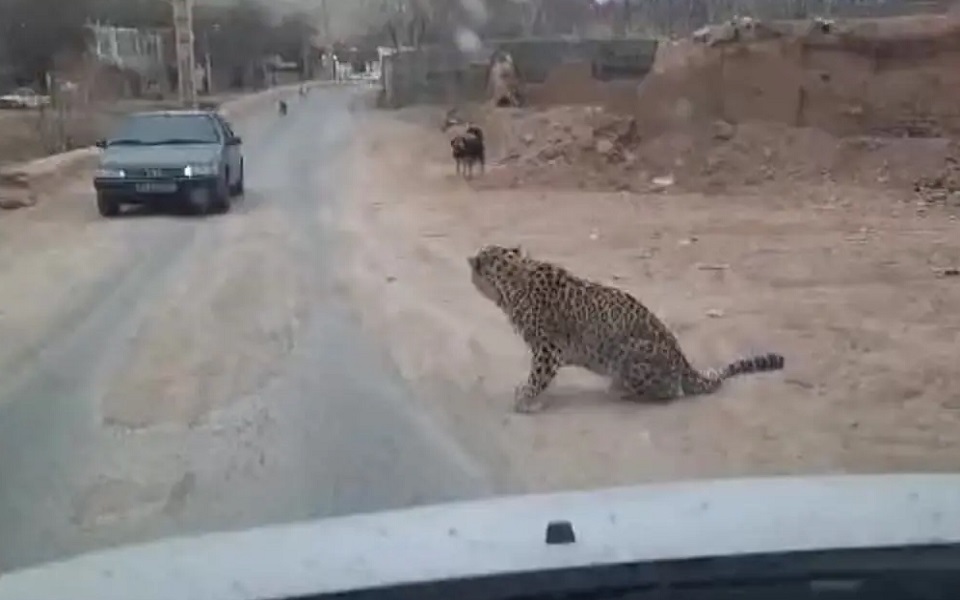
{"type": "Point", "coordinates": [841, 280]}
{"type": "Point", "coordinates": [255, 303]}
{"type": "Point", "coordinates": [47, 255]}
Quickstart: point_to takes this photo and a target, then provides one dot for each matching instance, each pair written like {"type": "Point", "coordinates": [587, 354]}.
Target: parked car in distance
{"type": "Point", "coordinates": [188, 158]}
{"type": "Point", "coordinates": [22, 98]}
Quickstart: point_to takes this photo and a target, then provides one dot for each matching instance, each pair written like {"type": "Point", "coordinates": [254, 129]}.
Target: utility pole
{"type": "Point", "coordinates": [325, 21]}
{"type": "Point", "coordinates": [208, 68]}
{"type": "Point", "coordinates": [186, 62]}
{"type": "Point", "coordinates": [325, 34]}
{"type": "Point", "coordinates": [304, 59]}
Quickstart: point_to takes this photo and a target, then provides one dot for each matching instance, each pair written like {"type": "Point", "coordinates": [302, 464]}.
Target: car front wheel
{"type": "Point", "coordinates": [221, 196]}
{"type": "Point", "coordinates": [237, 190]}
{"type": "Point", "coordinates": [107, 206]}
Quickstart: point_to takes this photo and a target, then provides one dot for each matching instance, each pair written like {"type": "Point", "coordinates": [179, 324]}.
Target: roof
{"type": "Point", "coordinates": [507, 535]}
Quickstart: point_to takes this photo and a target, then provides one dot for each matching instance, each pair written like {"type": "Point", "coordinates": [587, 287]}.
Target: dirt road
{"type": "Point", "coordinates": [163, 375]}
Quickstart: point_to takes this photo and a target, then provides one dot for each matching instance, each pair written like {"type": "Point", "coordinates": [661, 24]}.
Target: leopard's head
{"type": "Point", "coordinates": [495, 270]}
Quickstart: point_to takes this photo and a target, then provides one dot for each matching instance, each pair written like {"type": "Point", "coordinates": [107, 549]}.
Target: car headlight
{"type": "Point", "coordinates": [110, 173]}
{"type": "Point", "coordinates": [199, 170]}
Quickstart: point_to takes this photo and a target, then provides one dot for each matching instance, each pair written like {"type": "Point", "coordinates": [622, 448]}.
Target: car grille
{"type": "Point", "coordinates": [154, 172]}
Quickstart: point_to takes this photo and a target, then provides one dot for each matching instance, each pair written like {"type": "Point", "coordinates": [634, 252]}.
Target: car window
{"type": "Point", "coordinates": [226, 125]}
{"type": "Point", "coordinates": [167, 129]}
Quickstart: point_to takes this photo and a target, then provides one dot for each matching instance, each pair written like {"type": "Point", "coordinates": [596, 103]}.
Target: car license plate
{"type": "Point", "coordinates": [154, 187]}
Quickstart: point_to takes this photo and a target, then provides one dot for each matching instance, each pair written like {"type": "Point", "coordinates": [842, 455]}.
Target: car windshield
{"type": "Point", "coordinates": [307, 259]}
{"type": "Point", "coordinates": [912, 573]}
{"type": "Point", "coordinates": [161, 129]}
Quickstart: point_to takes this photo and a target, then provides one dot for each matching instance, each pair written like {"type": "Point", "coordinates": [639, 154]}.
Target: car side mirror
{"type": "Point", "coordinates": [101, 143]}
{"type": "Point", "coordinates": [235, 140]}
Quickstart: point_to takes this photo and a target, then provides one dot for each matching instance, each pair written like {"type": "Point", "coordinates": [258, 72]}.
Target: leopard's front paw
{"type": "Point", "coordinates": [524, 402]}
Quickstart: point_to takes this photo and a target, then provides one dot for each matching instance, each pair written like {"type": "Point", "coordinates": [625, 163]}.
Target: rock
{"type": "Point", "coordinates": [604, 147]}
{"type": "Point", "coordinates": [15, 190]}
{"type": "Point", "coordinates": [664, 181]}
{"type": "Point", "coordinates": [528, 138]}
{"type": "Point", "coordinates": [14, 199]}
{"type": "Point", "coordinates": [723, 130]}
{"type": "Point", "coordinates": [17, 179]}
{"type": "Point", "coordinates": [723, 33]}
{"type": "Point", "coordinates": [713, 164]}
{"type": "Point", "coordinates": [624, 132]}
{"type": "Point", "coordinates": [702, 35]}
{"type": "Point", "coordinates": [550, 153]}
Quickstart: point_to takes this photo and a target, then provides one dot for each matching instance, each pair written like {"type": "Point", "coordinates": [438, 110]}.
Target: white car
{"type": "Point", "coordinates": [23, 98]}
{"type": "Point", "coordinates": [895, 537]}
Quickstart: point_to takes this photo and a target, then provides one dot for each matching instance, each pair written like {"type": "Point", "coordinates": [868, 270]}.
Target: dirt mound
{"type": "Point", "coordinates": [871, 103]}
{"type": "Point", "coordinates": [870, 77]}
{"type": "Point", "coordinates": [591, 148]}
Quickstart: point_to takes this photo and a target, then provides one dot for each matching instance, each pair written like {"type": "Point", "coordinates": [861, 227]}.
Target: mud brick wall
{"type": "Point", "coordinates": [434, 75]}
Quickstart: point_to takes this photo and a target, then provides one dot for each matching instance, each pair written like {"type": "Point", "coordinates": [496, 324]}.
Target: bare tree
{"type": "Point", "coordinates": [410, 22]}
{"type": "Point", "coordinates": [132, 13]}
{"type": "Point", "coordinates": [35, 32]}
{"type": "Point", "coordinates": [532, 16]}
{"type": "Point", "coordinates": [292, 35]}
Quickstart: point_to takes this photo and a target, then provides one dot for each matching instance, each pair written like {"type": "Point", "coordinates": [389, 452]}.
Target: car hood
{"type": "Point", "coordinates": [507, 535]}
{"type": "Point", "coordinates": [176, 155]}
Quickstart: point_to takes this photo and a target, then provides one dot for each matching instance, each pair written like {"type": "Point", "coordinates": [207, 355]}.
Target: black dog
{"type": "Point", "coordinates": [468, 149]}
{"type": "Point", "coordinates": [283, 107]}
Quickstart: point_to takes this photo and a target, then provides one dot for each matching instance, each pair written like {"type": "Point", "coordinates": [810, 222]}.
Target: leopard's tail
{"type": "Point", "coordinates": [707, 382]}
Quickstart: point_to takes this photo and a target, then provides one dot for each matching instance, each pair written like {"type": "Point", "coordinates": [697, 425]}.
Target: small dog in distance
{"type": "Point", "coordinates": [468, 150]}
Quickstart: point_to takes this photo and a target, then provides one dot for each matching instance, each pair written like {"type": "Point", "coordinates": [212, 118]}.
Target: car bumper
{"type": "Point", "coordinates": [144, 191]}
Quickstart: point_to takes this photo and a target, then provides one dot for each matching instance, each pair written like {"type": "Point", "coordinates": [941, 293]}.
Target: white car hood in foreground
{"type": "Point", "coordinates": [667, 521]}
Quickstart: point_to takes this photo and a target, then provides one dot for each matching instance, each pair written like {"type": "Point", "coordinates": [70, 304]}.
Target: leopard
{"type": "Point", "coordinates": [566, 320]}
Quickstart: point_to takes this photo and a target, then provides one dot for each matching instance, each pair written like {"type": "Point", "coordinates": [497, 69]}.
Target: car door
{"type": "Point", "coordinates": [231, 151]}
